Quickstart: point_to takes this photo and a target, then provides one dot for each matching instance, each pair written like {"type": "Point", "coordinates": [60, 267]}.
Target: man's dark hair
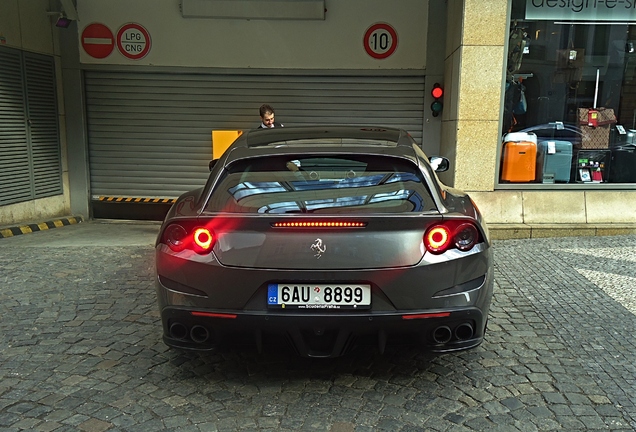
{"type": "Point", "coordinates": [264, 109]}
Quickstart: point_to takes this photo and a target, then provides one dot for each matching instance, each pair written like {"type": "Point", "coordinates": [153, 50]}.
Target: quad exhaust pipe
{"type": "Point", "coordinates": [441, 335]}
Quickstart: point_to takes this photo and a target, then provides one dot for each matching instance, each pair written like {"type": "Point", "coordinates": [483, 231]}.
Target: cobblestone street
{"type": "Point", "coordinates": [81, 349]}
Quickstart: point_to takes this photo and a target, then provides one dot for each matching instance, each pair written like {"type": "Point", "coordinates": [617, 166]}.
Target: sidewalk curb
{"type": "Point", "coordinates": [527, 231]}
{"type": "Point", "coordinates": [34, 227]}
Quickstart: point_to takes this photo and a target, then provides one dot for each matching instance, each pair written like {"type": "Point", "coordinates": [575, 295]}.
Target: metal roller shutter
{"type": "Point", "coordinates": [149, 134]}
{"type": "Point", "coordinates": [43, 125]}
{"type": "Point", "coordinates": [14, 151]}
{"type": "Point", "coordinates": [30, 161]}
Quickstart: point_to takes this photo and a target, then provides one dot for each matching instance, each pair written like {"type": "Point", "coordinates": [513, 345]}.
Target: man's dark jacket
{"type": "Point", "coordinates": [275, 125]}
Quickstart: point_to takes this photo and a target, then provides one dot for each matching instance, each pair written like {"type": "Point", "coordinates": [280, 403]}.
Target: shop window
{"type": "Point", "coordinates": [570, 94]}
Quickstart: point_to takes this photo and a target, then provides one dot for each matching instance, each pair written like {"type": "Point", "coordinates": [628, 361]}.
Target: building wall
{"type": "Point", "coordinates": [473, 77]}
{"type": "Point", "coordinates": [25, 24]}
{"type": "Point", "coordinates": [334, 43]}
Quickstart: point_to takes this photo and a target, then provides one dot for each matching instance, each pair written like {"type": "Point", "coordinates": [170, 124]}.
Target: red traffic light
{"type": "Point", "coordinates": [437, 91]}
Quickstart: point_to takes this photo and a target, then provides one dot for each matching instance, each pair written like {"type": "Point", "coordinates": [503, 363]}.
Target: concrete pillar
{"type": "Point", "coordinates": [473, 74]}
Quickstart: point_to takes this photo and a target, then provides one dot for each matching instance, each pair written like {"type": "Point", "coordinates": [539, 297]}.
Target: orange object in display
{"type": "Point", "coordinates": [519, 161]}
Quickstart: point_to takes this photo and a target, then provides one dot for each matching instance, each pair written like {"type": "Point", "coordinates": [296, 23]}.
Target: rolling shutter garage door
{"type": "Point", "coordinates": [149, 134]}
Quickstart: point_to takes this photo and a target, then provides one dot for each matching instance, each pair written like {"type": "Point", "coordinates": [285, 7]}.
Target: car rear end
{"type": "Point", "coordinates": [324, 251]}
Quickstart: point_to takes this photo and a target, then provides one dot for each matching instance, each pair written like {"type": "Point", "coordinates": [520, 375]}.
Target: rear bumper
{"type": "Point", "coordinates": [323, 334]}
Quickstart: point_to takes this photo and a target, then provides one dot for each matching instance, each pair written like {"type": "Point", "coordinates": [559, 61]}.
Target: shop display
{"type": "Point", "coordinates": [620, 136]}
{"type": "Point", "coordinates": [519, 157]}
{"type": "Point", "coordinates": [595, 122]}
{"type": "Point", "coordinates": [569, 65]}
{"type": "Point", "coordinates": [554, 161]}
{"type": "Point", "coordinates": [623, 164]}
{"type": "Point", "coordinates": [571, 80]}
{"type": "Point", "coordinates": [595, 125]}
{"type": "Point", "coordinates": [592, 165]}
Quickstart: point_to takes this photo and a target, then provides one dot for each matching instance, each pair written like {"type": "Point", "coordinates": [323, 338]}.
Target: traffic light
{"type": "Point", "coordinates": [438, 93]}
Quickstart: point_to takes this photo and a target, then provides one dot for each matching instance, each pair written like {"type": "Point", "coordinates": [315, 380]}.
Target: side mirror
{"type": "Point", "coordinates": [212, 163]}
{"type": "Point", "coordinates": [439, 163]}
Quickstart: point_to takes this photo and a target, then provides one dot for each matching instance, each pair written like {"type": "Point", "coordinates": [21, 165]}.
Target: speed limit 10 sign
{"type": "Point", "coordinates": [380, 40]}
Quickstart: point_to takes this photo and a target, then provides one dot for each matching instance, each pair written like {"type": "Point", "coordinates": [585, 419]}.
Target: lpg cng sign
{"type": "Point", "coordinates": [133, 41]}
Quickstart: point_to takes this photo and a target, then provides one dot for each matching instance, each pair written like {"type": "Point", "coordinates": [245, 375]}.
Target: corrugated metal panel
{"type": "Point", "coordinates": [30, 162]}
{"type": "Point", "coordinates": [43, 125]}
{"type": "Point", "coordinates": [14, 150]}
{"type": "Point", "coordinates": [150, 133]}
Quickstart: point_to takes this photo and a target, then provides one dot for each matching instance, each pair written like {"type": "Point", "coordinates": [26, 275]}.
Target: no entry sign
{"type": "Point", "coordinates": [97, 40]}
{"type": "Point", "coordinates": [133, 41]}
{"type": "Point", "coordinates": [380, 40]}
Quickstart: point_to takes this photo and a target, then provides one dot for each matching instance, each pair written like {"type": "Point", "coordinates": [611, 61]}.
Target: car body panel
{"type": "Point", "coordinates": [251, 242]}
{"type": "Point", "coordinates": [396, 284]}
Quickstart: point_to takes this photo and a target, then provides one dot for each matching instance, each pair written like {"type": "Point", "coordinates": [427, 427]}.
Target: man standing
{"type": "Point", "coordinates": [267, 117]}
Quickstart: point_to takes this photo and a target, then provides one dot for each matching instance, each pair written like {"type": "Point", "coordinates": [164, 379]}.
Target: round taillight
{"type": "Point", "coordinates": [465, 237]}
{"type": "Point", "coordinates": [175, 237]}
{"type": "Point", "coordinates": [437, 239]}
{"type": "Point", "coordinates": [203, 239]}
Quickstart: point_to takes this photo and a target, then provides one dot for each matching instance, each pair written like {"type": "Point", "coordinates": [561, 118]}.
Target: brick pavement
{"type": "Point", "coordinates": [81, 350]}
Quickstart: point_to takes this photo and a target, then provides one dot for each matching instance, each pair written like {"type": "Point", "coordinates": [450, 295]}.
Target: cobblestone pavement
{"type": "Point", "coordinates": [81, 350]}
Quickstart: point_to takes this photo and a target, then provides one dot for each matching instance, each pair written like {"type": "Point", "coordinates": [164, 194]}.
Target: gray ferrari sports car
{"type": "Point", "coordinates": [324, 237]}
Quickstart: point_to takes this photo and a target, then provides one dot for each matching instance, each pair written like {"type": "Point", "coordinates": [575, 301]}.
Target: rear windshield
{"type": "Point", "coordinates": [321, 185]}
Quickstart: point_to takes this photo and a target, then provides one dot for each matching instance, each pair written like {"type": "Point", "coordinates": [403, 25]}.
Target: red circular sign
{"type": "Point", "coordinates": [380, 40]}
{"type": "Point", "coordinates": [133, 41]}
{"type": "Point", "coordinates": [97, 40]}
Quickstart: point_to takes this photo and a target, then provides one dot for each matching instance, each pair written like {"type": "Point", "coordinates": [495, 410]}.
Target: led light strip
{"type": "Point", "coordinates": [319, 224]}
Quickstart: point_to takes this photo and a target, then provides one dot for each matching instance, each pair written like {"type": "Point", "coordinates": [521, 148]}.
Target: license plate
{"type": "Point", "coordinates": [327, 296]}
